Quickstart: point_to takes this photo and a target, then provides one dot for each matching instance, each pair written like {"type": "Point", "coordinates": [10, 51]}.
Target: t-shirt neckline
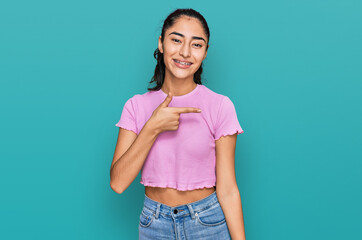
{"type": "Point", "coordinates": [182, 96]}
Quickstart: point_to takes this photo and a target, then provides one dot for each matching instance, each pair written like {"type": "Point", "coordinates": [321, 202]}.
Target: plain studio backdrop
{"type": "Point", "coordinates": [292, 68]}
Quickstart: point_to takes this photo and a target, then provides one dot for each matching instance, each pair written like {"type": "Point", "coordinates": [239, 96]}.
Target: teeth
{"type": "Point", "coordinates": [183, 63]}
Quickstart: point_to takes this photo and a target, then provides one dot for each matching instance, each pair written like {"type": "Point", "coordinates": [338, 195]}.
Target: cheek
{"type": "Point", "coordinates": [199, 58]}
{"type": "Point", "coordinates": [170, 49]}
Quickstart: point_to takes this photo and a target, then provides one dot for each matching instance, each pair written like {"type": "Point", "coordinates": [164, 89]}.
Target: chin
{"type": "Point", "coordinates": [182, 76]}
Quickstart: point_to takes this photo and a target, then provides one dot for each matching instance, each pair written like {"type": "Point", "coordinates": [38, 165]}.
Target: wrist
{"type": "Point", "coordinates": [151, 128]}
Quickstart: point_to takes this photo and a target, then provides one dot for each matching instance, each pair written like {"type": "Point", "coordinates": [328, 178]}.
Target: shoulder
{"type": "Point", "coordinates": [209, 92]}
{"type": "Point", "coordinates": [213, 97]}
{"type": "Point", "coordinates": [142, 97]}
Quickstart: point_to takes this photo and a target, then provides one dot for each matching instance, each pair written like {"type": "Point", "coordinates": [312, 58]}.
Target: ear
{"type": "Point", "coordinates": [160, 47]}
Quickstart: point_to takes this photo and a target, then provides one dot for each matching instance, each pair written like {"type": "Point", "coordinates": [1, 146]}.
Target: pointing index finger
{"type": "Point", "coordinates": [187, 109]}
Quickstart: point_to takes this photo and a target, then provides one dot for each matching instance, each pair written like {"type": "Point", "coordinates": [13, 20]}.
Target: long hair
{"type": "Point", "coordinates": [159, 74]}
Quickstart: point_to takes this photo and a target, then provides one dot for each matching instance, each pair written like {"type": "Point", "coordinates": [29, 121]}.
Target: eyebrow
{"type": "Point", "coordinates": [193, 37]}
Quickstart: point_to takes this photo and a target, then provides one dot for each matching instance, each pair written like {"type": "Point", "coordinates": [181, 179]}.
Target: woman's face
{"type": "Point", "coordinates": [184, 42]}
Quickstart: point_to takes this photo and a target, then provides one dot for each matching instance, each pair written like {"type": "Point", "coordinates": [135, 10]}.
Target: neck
{"type": "Point", "coordinates": [178, 86]}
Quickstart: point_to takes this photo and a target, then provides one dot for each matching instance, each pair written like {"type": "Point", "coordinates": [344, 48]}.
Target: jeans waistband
{"type": "Point", "coordinates": [180, 210]}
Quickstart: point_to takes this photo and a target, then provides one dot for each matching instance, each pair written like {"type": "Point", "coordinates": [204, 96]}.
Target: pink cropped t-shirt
{"type": "Point", "coordinates": [183, 159]}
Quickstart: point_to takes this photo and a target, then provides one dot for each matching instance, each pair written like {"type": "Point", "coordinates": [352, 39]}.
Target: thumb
{"type": "Point", "coordinates": [167, 100]}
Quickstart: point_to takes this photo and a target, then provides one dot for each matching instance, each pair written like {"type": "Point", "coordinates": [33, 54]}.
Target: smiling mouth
{"type": "Point", "coordinates": [183, 63]}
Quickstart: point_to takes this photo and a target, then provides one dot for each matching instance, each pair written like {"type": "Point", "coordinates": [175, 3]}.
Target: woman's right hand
{"type": "Point", "coordinates": [166, 118]}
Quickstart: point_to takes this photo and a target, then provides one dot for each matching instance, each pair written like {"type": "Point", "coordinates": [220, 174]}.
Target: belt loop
{"type": "Point", "coordinates": [158, 210]}
{"type": "Point", "coordinates": [191, 211]}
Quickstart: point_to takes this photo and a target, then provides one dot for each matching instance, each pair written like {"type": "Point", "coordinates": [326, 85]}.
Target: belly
{"type": "Point", "coordinates": [173, 197]}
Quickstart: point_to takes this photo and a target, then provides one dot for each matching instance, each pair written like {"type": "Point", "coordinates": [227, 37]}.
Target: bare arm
{"type": "Point", "coordinates": [133, 150]}
{"type": "Point", "coordinates": [226, 187]}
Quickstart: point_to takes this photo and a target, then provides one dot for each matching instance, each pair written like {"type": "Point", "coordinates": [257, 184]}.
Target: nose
{"type": "Point", "coordinates": [185, 51]}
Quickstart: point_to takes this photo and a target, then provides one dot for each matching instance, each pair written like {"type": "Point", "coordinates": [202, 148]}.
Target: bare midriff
{"type": "Point", "coordinates": [173, 197]}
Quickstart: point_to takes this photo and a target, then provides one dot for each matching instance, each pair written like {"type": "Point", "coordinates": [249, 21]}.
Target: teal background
{"type": "Point", "coordinates": [292, 68]}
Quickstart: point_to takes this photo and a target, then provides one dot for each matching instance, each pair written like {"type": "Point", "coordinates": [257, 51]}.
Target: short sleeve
{"type": "Point", "coordinates": [227, 121]}
{"type": "Point", "coordinates": [128, 120]}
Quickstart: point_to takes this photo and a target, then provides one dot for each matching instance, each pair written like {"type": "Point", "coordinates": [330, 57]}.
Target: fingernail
{"type": "Point", "coordinates": [199, 110]}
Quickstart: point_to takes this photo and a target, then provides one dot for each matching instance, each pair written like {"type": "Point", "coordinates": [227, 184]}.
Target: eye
{"type": "Point", "coordinates": [175, 40]}
{"type": "Point", "coordinates": [199, 45]}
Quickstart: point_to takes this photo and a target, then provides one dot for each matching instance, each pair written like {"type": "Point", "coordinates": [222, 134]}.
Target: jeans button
{"type": "Point", "coordinates": [175, 211]}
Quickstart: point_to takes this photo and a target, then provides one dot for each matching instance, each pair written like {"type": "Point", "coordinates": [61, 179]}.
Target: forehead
{"type": "Point", "coordinates": [187, 26]}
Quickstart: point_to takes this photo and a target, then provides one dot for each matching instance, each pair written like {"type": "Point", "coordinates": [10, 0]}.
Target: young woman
{"type": "Point", "coordinates": [186, 155]}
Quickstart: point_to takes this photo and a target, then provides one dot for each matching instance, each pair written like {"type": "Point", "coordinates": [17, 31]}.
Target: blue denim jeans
{"type": "Point", "coordinates": [203, 219]}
